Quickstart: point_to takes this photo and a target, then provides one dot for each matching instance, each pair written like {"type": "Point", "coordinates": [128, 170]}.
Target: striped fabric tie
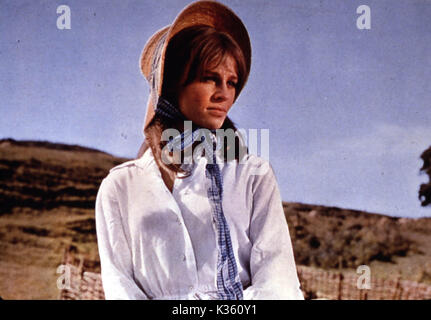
{"type": "Point", "coordinates": [229, 285]}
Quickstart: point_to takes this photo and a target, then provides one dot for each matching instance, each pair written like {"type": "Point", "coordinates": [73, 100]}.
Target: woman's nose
{"type": "Point", "coordinates": [221, 93]}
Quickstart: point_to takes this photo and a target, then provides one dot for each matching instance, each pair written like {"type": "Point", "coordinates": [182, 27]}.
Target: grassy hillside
{"type": "Point", "coordinates": [43, 176]}
{"type": "Point", "coordinates": [47, 194]}
{"type": "Point", "coordinates": [336, 238]}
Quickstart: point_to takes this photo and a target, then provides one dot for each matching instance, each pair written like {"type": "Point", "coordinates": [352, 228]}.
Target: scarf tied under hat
{"type": "Point", "coordinates": [229, 285]}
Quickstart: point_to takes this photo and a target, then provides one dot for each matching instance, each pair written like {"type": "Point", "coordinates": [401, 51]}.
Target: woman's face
{"type": "Point", "coordinates": [207, 101]}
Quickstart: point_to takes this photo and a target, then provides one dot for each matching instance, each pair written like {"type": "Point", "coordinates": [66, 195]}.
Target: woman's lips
{"type": "Point", "coordinates": [218, 112]}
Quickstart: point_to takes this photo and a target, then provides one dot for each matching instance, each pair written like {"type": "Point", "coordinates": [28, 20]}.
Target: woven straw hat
{"type": "Point", "coordinates": [209, 13]}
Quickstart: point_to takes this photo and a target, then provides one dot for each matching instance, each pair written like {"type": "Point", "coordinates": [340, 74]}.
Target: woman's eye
{"type": "Point", "coordinates": [230, 83]}
{"type": "Point", "coordinates": [209, 78]}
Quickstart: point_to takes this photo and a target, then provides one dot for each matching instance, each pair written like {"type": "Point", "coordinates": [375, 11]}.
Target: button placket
{"type": "Point", "coordinates": [187, 259]}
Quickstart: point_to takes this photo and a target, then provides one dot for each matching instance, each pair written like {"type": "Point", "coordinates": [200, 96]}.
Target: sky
{"type": "Point", "coordinates": [348, 110]}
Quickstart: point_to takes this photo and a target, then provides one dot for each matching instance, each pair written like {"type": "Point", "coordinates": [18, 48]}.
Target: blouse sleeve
{"type": "Point", "coordinates": [114, 250]}
{"type": "Point", "coordinates": [272, 266]}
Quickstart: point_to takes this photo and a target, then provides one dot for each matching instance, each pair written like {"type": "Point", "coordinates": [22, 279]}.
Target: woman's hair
{"type": "Point", "coordinates": [193, 51]}
{"type": "Point", "coordinates": [188, 55]}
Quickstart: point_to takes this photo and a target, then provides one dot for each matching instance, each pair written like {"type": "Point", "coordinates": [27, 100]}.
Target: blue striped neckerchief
{"type": "Point", "coordinates": [229, 285]}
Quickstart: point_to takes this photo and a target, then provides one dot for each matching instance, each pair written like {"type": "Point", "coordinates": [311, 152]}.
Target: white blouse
{"type": "Point", "coordinates": [154, 244]}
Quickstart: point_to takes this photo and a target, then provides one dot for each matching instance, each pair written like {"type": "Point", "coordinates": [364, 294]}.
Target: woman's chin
{"type": "Point", "coordinates": [212, 125]}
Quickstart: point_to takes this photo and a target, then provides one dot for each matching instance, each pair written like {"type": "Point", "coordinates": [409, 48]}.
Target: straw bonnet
{"type": "Point", "coordinates": [209, 13]}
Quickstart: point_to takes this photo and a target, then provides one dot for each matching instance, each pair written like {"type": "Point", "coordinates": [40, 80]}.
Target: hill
{"type": "Point", "coordinates": [47, 194]}
{"type": "Point", "coordinates": [42, 175]}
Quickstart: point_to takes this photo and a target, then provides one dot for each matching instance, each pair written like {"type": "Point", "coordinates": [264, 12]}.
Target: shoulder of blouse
{"type": "Point", "coordinates": [141, 162]}
{"type": "Point", "coordinates": [121, 175]}
{"type": "Point", "coordinates": [124, 165]}
{"type": "Point", "coordinates": [256, 165]}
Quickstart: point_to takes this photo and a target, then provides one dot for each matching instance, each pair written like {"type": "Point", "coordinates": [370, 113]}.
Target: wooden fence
{"type": "Point", "coordinates": [78, 281]}
{"type": "Point", "coordinates": [322, 284]}
{"type": "Point", "coordinates": [81, 283]}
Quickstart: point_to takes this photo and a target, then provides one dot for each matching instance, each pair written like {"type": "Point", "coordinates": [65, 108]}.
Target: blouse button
{"type": "Point", "coordinates": [191, 288]}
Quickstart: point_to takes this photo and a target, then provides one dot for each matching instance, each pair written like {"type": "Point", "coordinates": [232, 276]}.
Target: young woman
{"type": "Point", "coordinates": [194, 217]}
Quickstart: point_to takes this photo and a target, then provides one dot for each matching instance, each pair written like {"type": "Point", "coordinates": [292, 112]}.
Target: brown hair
{"type": "Point", "coordinates": [188, 55]}
{"type": "Point", "coordinates": [193, 51]}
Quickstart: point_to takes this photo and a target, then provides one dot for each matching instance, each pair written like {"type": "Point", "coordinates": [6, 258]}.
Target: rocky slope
{"type": "Point", "coordinates": [43, 175]}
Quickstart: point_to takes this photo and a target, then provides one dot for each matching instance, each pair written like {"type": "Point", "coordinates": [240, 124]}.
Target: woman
{"type": "Point", "coordinates": [194, 217]}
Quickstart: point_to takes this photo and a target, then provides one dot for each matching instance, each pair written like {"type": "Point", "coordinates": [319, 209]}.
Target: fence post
{"type": "Point", "coordinates": [340, 285]}
{"type": "Point", "coordinates": [397, 287]}
{"type": "Point", "coordinates": [363, 294]}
